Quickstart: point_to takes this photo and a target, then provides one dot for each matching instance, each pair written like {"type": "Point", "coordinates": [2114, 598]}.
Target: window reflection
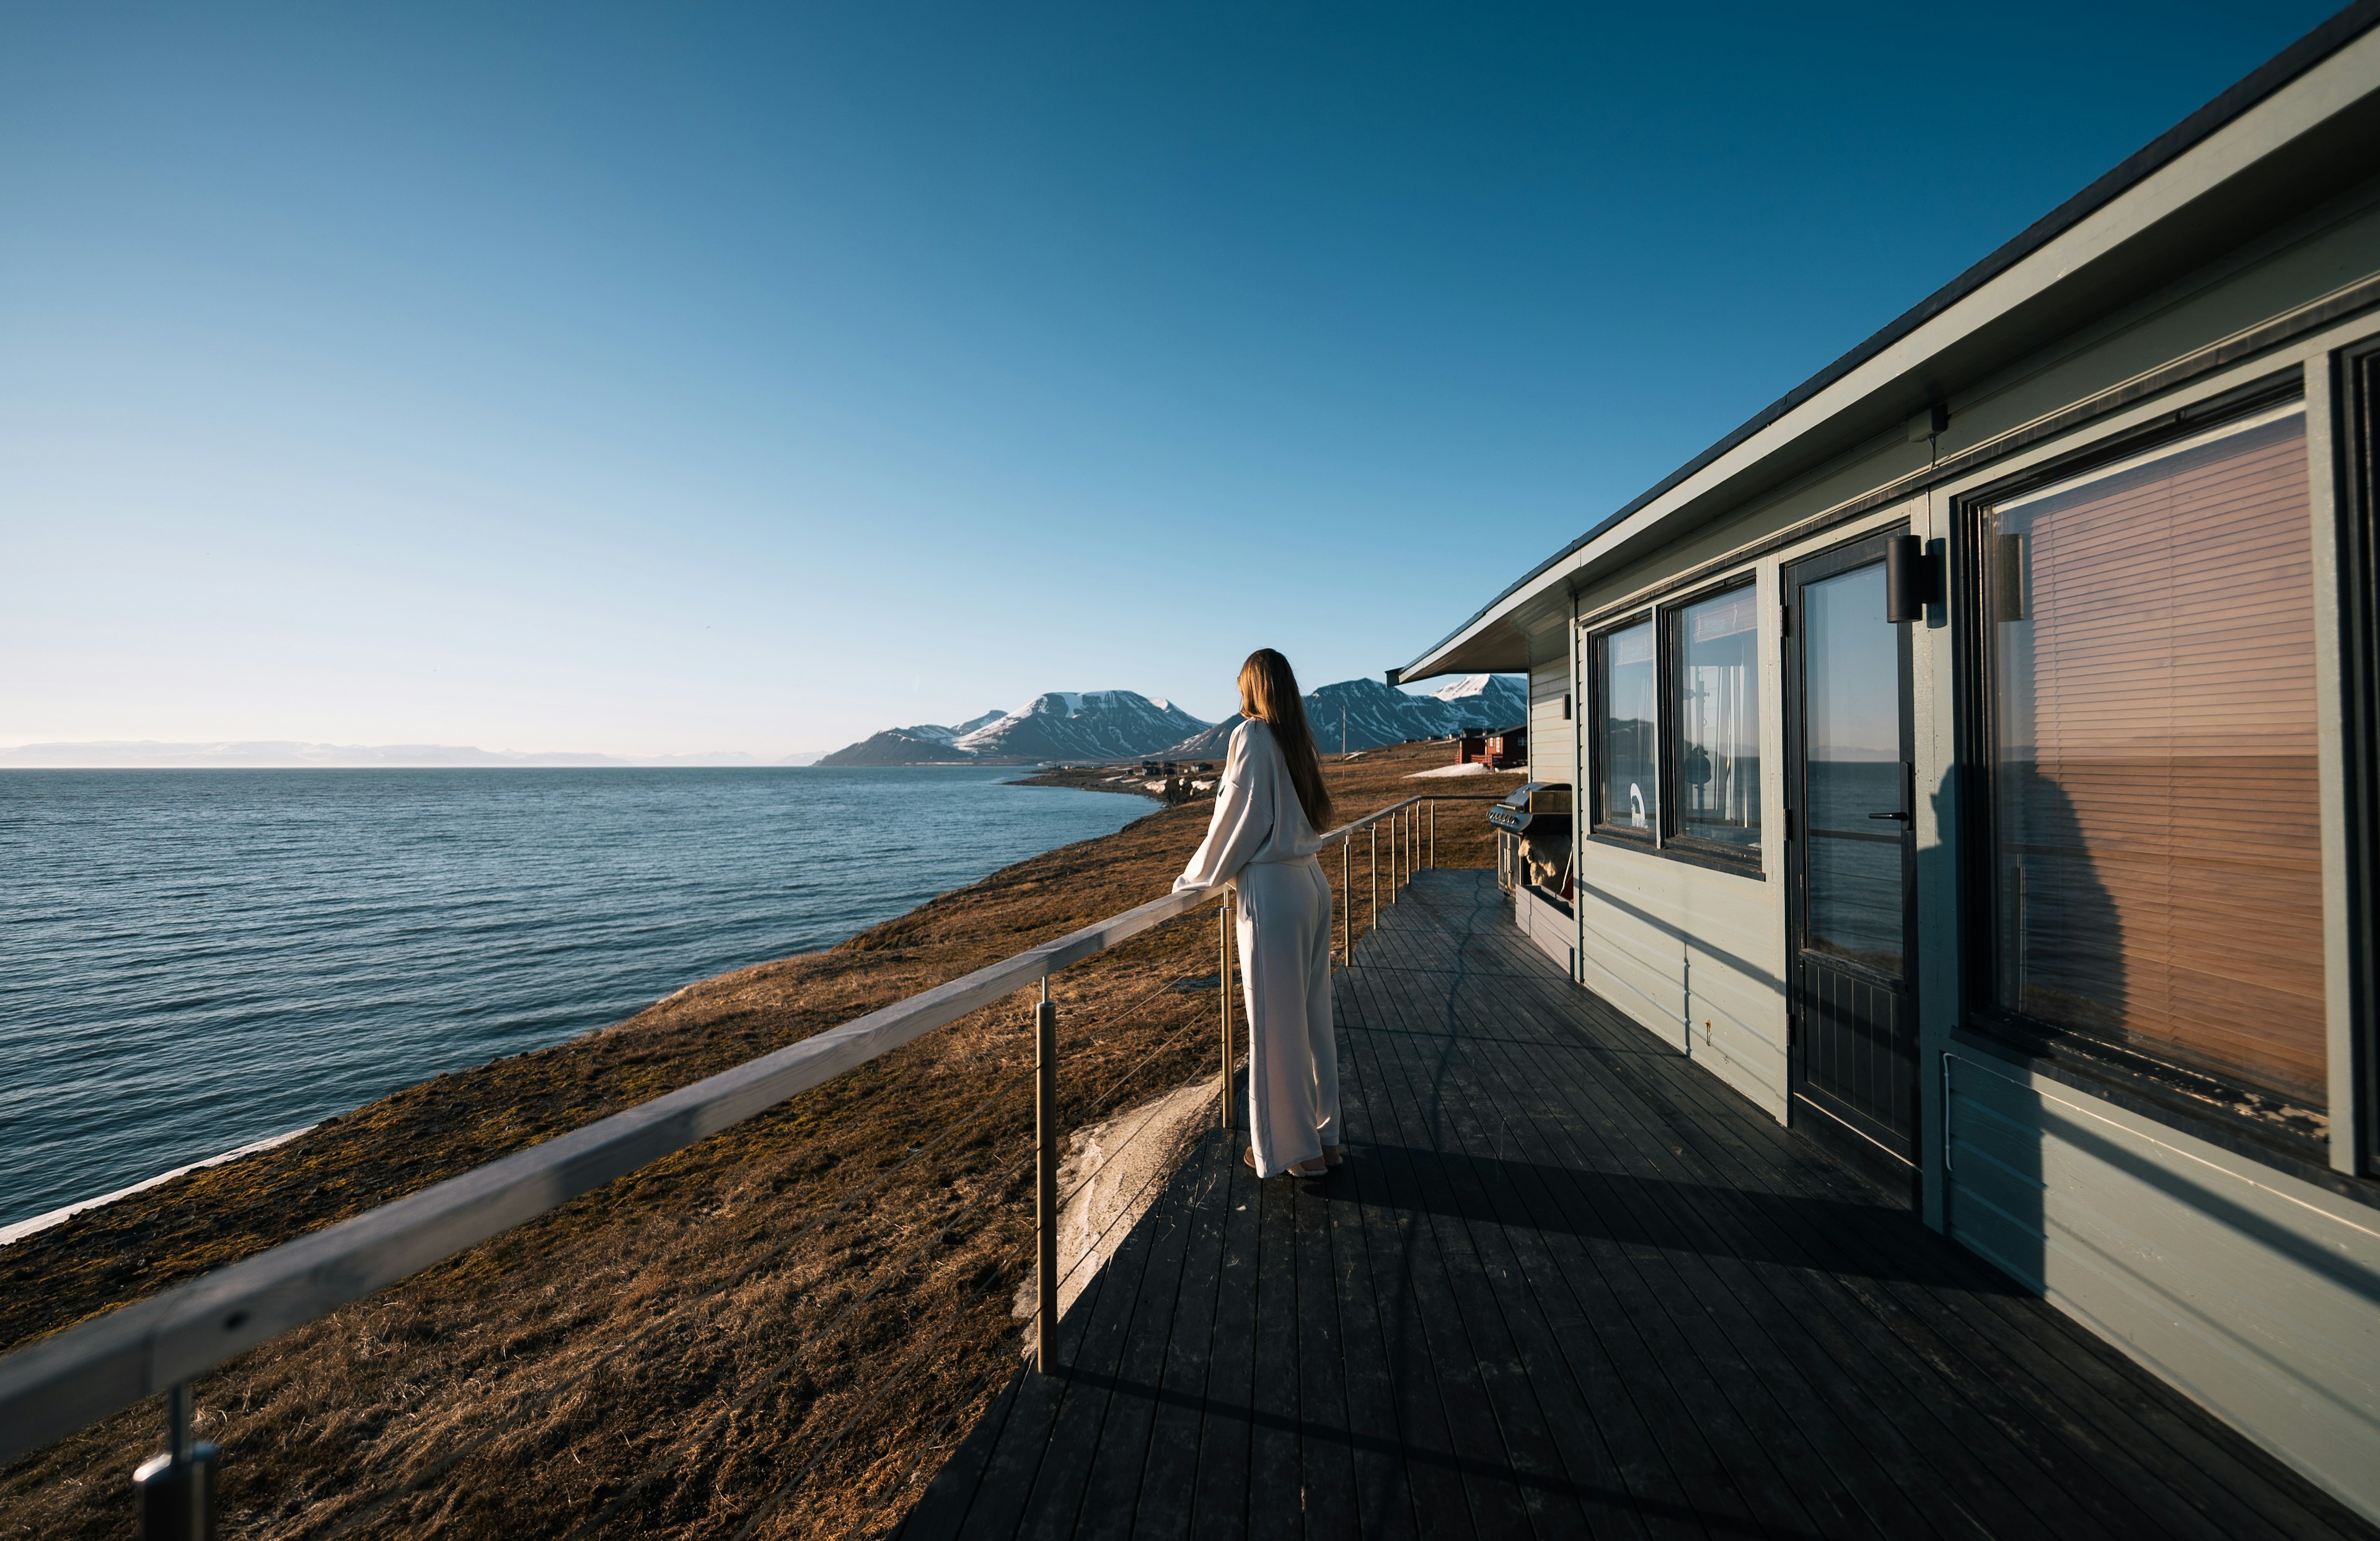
{"type": "Point", "coordinates": [2158, 865]}
{"type": "Point", "coordinates": [1717, 708]}
{"type": "Point", "coordinates": [1627, 747]}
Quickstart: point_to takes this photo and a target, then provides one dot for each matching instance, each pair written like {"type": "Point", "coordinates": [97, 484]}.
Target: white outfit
{"type": "Point", "coordinates": [1262, 845]}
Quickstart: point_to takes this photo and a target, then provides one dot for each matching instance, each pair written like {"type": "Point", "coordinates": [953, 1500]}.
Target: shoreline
{"type": "Point", "coordinates": [17, 1230]}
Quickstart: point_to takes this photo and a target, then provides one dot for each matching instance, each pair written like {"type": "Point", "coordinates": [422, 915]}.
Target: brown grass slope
{"type": "Point", "coordinates": [778, 1332]}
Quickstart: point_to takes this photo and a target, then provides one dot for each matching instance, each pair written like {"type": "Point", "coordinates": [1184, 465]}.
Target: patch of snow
{"type": "Point", "coordinates": [1473, 769]}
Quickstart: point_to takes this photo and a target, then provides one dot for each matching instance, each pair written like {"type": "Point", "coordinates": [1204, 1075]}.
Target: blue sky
{"type": "Point", "coordinates": [678, 378]}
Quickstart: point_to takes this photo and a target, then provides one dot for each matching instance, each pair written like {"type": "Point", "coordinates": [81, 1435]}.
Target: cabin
{"type": "Point", "coordinates": [1496, 748]}
{"type": "Point", "coordinates": [1977, 757]}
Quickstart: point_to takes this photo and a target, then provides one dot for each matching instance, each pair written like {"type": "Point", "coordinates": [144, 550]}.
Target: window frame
{"type": "Point", "coordinates": [1670, 652]}
{"type": "Point", "coordinates": [2355, 397]}
{"type": "Point", "coordinates": [1664, 839]}
{"type": "Point", "coordinates": [1598, 645]}
{"type": "Point", "coordinates": [2175, 1094]}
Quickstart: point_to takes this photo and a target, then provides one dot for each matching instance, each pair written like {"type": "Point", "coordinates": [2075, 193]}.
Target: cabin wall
{"type": "Point", "coordinates": [2252, 1289]}
{"type": "Point", "coordinates": [1549, 692]}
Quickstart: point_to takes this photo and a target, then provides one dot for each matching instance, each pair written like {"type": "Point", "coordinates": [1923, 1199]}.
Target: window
{"type": "Point", "coordinates": [2154, 818]}
{"type": "Point", "coordinates": [1627, 746]}
{"type": "Point", "coordinates": [1714, 701]}
{"type": "Point", "coordinates": [1675, 729]}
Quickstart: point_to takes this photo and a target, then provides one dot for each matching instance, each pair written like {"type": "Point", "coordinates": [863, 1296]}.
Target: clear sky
{"type": "Point", "coordinates": [689, 378]}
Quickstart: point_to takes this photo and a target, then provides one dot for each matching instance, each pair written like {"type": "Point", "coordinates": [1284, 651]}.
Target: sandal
{"type": "Point", "coordinates": [1320, 1165]}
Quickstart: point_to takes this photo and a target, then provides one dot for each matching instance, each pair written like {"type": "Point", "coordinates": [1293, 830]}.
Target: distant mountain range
{"type": "Point", "coordinates": [1122, 724]}
{"type": "Point", "coordinates": [1061, 725]}
{"type": "Point", "coordinates": [1365, 714]}
{"type": "Point", "coordinates": [288, 754]}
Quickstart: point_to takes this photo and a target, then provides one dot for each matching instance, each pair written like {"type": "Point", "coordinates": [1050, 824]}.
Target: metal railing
{"type": "Point", "coordinates": [52, 1388]}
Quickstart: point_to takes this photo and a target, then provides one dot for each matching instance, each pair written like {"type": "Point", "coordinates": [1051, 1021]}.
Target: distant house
{"type": "Point", "coordinates": [1499, 748]}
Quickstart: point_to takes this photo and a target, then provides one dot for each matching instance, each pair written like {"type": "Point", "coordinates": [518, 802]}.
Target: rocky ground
{"type": "Point", "coordinates": [779, 1332]}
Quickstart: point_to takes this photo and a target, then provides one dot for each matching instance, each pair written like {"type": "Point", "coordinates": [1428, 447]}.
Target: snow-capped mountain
{"type": "Point", "coordinates": [1089, 724]}
{"type": "Point", "coordinates": [1122, 725]}
{"type": "Point", "coordinates": [1485, 701]}
{"type": "Point", "coordinates": [925, 743]}
{"type": "Point", "coordinates": [1059, 725]}
{"type": "Point", "coordinates": [952, 735]}
{"type": "Point", "coordinates": [1364, 714]}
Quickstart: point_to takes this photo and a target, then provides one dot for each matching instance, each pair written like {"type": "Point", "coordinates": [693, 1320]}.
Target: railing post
{"type": "Point", "coordinates": [1347, 899]}
{"type": "Point", "coordinates": [1375, 879]}
{"type": "Point", "coordinates": [174, 1493]}
{"type": "Point", "coordinates": [1432, 806]}
{"type": "Point", "coordinates": [1045, 1188]}
{"type": "Point", "coordinates": [1223, 988]}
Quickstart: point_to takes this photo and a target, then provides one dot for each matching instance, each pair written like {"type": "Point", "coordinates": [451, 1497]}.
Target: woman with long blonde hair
{"type": "Point", "coordinates": [1270, 810]}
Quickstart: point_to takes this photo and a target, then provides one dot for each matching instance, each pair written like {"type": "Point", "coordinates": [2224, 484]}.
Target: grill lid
{"type": "Point", "coordinates": [1515, 812]}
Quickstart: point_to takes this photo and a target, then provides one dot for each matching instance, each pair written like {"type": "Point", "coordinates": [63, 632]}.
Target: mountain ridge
{"type": "Point", "coordinates": [1365, 714]}
{"type": "Point", "coordinates": [1054, 725]}
{"type": "Point", "coordinates": [1122, 725]}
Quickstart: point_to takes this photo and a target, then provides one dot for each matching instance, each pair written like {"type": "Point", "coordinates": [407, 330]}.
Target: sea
{"type": "Point", "coordinates": [192, 961]}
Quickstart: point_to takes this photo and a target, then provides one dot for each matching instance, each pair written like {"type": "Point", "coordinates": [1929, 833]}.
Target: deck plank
{"type": "Point", "coordinates": [1168, 1480]}
{"type": "Point", "coordinates": [1431, 1329]}
{"type": "Point", "coordinates": [1575, 1461]}
{"type": "Point", "coordinates": [1325, 1452]}
{"type": "Point", "coordinates": [1426, 1448]}
{"type": "Point", "coordinates": [1570, 1283]}
{"type": "Point", "coordinates": [1275, 1510]}
{"type": "Point", "coordinates": [1219, 1508]}
{"type": "Point", "coordinates": [1383, 1498]}
{"type": "Point", "coordinates": [1114, 1464]}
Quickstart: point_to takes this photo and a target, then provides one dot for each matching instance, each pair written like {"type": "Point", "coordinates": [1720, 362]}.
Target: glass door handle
{"type": "Point", "coordinates": [1903, 816]}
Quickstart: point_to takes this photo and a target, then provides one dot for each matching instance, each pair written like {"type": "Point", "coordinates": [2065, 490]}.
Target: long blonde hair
{"type": "Point", "coordinates": [1269, 693]}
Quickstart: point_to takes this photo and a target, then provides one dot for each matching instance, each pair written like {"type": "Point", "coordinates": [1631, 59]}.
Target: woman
{"type": "Point", "coordinates": [1269, 811]}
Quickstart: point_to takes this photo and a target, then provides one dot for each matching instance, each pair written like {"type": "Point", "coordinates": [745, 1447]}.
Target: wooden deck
{"type": "Point", "coordinates": [1569, 1284]}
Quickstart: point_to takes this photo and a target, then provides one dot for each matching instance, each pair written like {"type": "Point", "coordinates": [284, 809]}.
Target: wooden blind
{"type": "Point", "coordinates": [2155, 805]}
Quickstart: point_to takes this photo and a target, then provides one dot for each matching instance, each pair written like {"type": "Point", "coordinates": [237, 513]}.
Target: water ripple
{"type": "Point", "coordinates": [192, 960]}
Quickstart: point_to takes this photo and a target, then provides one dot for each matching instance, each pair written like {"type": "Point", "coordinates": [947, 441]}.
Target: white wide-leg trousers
{"type": "Point", "coordinates": [1292, 1059]}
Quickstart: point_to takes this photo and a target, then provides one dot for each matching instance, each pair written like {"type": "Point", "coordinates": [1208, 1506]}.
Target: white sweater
{"type": "Point", "coordinates": [1258, 816]}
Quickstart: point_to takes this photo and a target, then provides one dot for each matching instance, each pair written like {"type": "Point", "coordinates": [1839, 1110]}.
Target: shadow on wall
{"type": "Point", "coordinates": [2058, 957]}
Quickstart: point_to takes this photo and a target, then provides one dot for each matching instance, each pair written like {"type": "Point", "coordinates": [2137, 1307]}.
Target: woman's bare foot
{"type": "Point", "coordinates": [1335, 1155]}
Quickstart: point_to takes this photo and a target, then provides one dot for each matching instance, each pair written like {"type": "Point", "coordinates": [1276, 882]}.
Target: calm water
{"type": "Point", "coordinates": [192, 960]}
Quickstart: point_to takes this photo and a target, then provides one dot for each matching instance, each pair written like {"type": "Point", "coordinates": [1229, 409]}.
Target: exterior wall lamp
{"type": "Point", "coordinates": [1910, 582]}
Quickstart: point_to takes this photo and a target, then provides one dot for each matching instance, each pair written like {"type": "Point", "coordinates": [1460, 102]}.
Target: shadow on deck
{"type": "Point", "coordinates": [1567, 1283]}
